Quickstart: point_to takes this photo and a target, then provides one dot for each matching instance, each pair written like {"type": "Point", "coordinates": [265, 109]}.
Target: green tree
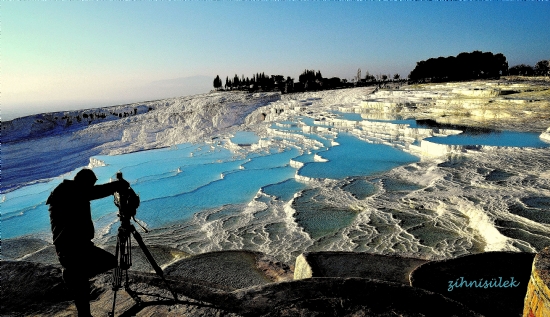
{"type": "Point", "coordinates": [289, 85]}
{"type": "Point", "coordinates": [369, 77]}
{"type": "Point", "coordinates": [318, 75]}
{"type": "Point", "coordinates": [542, 68]}
{"type": "Point", "coordinates": [217, 82]}
{"type": "Point", "coordinates": [521, 70]}
{"type": "Point", "coordinates": [310, 79]}
{"type": "Point", "coordinates": [236, 81]}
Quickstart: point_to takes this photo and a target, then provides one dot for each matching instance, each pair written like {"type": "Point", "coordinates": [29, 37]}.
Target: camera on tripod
{"type": "Point", "coordinates": [127, 201]}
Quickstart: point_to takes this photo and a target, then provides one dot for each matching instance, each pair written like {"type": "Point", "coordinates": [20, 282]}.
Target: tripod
{"type": "Point", "coordinates": [123, 254]}
{"type": "Point", "coordinates": [127, 204]}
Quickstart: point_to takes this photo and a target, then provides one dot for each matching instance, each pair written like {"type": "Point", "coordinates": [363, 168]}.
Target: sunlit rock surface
{"type": "Point", "coordinates": [537, 301]}
{"type": "Point", "coordinates": [61, 140]}
{"type": "Point", "coordinates": [355, 264]}
{"type": "Point", "coordinates": [231, 270]}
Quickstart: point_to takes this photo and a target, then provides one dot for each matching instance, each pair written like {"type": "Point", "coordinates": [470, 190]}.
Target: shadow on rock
{"type": "Point", "coordinates": [493, 293]}
{"type": "Point", "coordinates": [28, 287]}
{"type": "Point", "coordinates": [329, 297]}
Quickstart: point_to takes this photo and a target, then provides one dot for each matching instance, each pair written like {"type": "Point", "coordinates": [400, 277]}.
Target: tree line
{"type": "Point", "coordinates": [541, 68]}
{"type": "Point", "coordinates": [471, 66]}
{"type": "Point", "coordinates": [242, 83]}
{"type": "Point", "coordinates": [309, 80]}
{"type": "Point", "coordinates": [464, 66]}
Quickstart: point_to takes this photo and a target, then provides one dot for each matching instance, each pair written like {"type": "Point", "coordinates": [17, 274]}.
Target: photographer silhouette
{"type": "Point", "coordinates": [73, 231]}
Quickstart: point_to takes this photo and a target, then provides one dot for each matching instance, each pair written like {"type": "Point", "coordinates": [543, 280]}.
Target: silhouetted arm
{"type": "Point", "coordinates": [104, 190]}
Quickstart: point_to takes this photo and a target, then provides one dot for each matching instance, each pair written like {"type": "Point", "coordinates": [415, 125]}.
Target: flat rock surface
{"type": "Point", "coordinates": [17, 248]}
{"type": "Point", "coordinates": [366, 265]}
{"type": "Point", "coordinates": [230, 269]}
{"type": "Point", "coordinates": [161, 255]}
{"type": "Point", "coordinates": [491, 266]}
{"type": "Point", "coordinates": [28, 286]}
{"type": "Point", "coordinates": [46, 255]}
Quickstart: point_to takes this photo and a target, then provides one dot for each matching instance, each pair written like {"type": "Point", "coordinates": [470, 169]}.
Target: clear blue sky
{"type": "Point", "coordinates": [64, 55]}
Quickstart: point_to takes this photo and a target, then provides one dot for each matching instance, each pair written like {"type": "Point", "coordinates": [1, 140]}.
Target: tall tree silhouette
{"type": "Point", "coordinates": [542, 68]}
{"type": "Point", "coordinates": [217, 82]}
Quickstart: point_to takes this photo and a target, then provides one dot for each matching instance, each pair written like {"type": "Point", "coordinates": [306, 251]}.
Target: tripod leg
{"type": "Point", "coordinates": [116, 277]}
{"type": "Point", "coordinates": [152, 261]}
{"type": "Point", "coordinates": [148, 255]}
{"type": "Point", "coordinates": [112, 313]}
{"type": "Point", "coordinates": [130, 292]}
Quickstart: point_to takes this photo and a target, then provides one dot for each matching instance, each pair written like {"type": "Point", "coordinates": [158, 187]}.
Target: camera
{"type": "Point", "coordinates": [127, 201]}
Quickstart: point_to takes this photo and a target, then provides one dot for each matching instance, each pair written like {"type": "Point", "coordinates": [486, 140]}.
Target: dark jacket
{"type": "Point", "coordinates": [70, 213]}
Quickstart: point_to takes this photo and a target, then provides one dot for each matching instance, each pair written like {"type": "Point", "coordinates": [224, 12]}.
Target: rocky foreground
{"type": "Point", "coordinates": [246, 283]}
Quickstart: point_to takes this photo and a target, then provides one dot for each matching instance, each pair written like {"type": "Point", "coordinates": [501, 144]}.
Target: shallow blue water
{"type": "Point", "coordinates": [245, 137]}
{"type": "Point", "coordinates": [235, 188]}
{"type": "Point", "coordinates": [284, 190]}
{"type": "Point", "coordinates": [308, 121]}
{"type": "Point", "coordinates": [153, 174]}
{"type": "Point", "coordinates": [488, 137]}
{"type": "Point", "coordinates": [354, 157]}
{"type": "Point", "coordinates": [275, 159]}
{"type": "Point", "coordinates": [312, 122]}
{"type": "Point", "coordinates": [497, 138]}
{"type": "Point", "coordinates": [175, 183]}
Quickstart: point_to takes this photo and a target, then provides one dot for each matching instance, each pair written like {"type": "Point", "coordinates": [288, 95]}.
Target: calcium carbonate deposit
{"type": "Point", "coordinates": [431, 171]}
